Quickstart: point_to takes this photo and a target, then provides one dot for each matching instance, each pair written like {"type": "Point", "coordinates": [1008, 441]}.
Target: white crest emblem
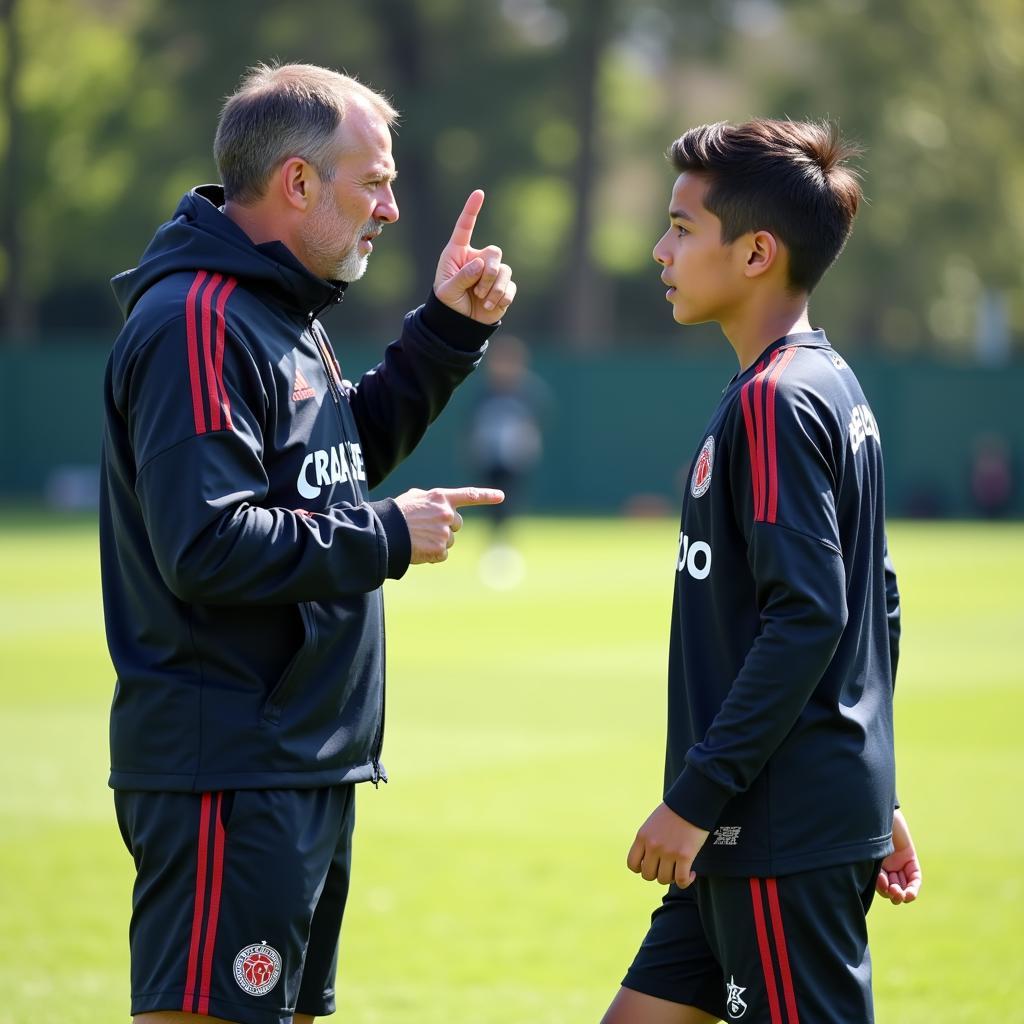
{"type": "Point", "coordinates": [734, 1003]}
{"type": "Point", "coordinates": [257, 968]}
{"type": "Point", "coordinates": [701, 480]}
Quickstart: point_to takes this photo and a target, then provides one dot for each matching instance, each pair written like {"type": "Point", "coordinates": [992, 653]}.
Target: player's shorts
{"type": "Point", "coordinates": [764, 950]}
{"type": "Point", "coordinates": [238, 899]}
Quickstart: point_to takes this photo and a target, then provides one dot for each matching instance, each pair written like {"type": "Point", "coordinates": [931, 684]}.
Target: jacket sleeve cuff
{"type": "Point", "coordinates": [696, 798]}
{"type": "Point", "coordinates": [397, 533]}
{"type": "Point", "coordinates": [453, 328]}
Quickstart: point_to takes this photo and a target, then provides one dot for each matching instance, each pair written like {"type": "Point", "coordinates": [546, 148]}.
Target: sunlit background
{"type": "Point", "coordinates": [520, 697]}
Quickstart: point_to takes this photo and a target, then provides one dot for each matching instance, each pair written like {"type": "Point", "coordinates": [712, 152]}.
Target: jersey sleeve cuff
{"type": "Point", "coordinates": [396, 531]}
{"type": "Point", "coordinates": [458, 331]}
{"type": "Point", "coordinates": [696, 798]}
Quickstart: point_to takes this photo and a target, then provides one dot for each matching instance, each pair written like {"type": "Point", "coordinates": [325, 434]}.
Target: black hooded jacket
{"type": "Point", "coordinates": [242, 564]}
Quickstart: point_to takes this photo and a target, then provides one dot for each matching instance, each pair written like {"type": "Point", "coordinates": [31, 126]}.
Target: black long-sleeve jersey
{"type": "Point", "coordinates": [785, 624]}
{"type": "Point", "coordinates": [242, 564]}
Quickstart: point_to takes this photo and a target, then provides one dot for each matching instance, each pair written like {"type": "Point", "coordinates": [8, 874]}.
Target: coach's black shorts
{"type": "Point", "coordinates": [764, 950]}
{"type": "Point", "coordinates": [238, 899]}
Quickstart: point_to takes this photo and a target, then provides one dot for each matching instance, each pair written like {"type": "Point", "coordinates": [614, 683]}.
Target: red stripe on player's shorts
{"type": "Point", "coordinates": [214, 913]}
{"type": "Point", "coordinates": [773, 467]}
{"type": "Point", "coordinates": [780, 949]}
{"type": "Point", "coordinates": [766, 953]}
{"type": "Point", "coordinates": [222, 391]}
{"type": "Point", "coordinates": [211, 382]}
{"type": "Point", "coordinates": [193, 353]}
{"type": "Point", "coordinates": [188, 1006]}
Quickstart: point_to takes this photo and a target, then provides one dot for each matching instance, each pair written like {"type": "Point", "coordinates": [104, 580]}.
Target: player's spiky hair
{"type": "Point", "coordinates": [786, 177]}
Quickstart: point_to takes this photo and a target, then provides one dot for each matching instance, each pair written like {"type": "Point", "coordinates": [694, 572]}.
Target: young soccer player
{"type": "Point", "coordinates": [778, 821]}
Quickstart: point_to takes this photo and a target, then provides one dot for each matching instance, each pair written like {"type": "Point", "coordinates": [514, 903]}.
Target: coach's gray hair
{"type": "Point", "coordinates": [281, 111]}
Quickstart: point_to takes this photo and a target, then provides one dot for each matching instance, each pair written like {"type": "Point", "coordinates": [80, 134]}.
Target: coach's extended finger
{"type": "Point", "coordinates": [460, 496]}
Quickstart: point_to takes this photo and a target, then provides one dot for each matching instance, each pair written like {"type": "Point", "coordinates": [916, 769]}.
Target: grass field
{"type": "Point", "coordinates": [525, 742]}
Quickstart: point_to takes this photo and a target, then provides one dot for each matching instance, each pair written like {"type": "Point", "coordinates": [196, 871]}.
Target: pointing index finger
{"type": "Point", "coordinates": [462, 235]}
{"type": "Point", "coordinates": [461, 496]}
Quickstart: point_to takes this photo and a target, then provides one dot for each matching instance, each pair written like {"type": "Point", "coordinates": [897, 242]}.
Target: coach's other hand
{"type": "Point", "coordinates": [433, 520]}
{"type": "Point", "coordinates": [665, 848]}
{"type": "Point", "coordinates": [473, 282]}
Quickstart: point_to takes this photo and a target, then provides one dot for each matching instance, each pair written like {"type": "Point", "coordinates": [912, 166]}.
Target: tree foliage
{"type": "Point", "coordinates": [562, 111]}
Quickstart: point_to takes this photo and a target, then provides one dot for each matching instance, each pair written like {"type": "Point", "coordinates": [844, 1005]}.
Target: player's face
{"type": "Point", "coordinates": [704, 281]}
{"type": "Point", "coordinates": [352, 208]}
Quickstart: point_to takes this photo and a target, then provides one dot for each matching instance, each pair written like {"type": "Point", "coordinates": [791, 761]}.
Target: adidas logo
{"type": "Point", "coordinates": [301, 389]}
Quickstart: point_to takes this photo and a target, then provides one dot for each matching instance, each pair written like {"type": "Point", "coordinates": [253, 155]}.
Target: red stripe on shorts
{"type": "Point", "coordinates": [766, 953]}
{"type": "Point", "coordinates": [780, 949]}
{"type": "Point", "coordinates": [214, 913]}
{"type": "Point", "coordinates": [188, 1006]}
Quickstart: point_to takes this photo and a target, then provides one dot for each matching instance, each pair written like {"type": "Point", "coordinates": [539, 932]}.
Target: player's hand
{"type": "Point", "coordinates": [433, 520]}
{"type": "Point", "coordinates": [665, 848]}
{"type": "Point", "coordinates": [899, 879]}
{"type": "Point", "coordinates": [473, 282]}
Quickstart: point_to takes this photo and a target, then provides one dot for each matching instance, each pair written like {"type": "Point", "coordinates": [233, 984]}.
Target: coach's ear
{"type": "Point", "coordinates": [760, 251]}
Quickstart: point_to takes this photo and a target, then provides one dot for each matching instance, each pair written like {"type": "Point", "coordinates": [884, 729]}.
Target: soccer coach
{"type": "Point", "coordinates": [242, 564]}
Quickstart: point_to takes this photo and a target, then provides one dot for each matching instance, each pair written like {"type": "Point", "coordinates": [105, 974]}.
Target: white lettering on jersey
{"type": "Point", "coordinates": [862, 426]}
{"type": "Point", "coordinates": [694, 557]}
{"type": "Point", "coordinates": [329, 466]}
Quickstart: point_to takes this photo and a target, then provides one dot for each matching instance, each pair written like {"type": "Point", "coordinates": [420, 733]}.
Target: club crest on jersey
{"type": "Point", "coordinates": [257, 968]}
{"type": "Point", "coordinates": [702, 471]}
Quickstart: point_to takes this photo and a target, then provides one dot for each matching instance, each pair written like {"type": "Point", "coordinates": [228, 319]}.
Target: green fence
{"type": "Point", "coordinates": [620, 426]}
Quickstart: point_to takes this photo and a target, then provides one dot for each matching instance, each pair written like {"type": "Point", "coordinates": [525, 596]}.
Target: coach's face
{"type": "Point", "coordinates": [351, 209]}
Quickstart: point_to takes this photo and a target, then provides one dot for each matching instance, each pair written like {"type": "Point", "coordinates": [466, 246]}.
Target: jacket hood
{"type": "Point", "coordinates": [200, 237]}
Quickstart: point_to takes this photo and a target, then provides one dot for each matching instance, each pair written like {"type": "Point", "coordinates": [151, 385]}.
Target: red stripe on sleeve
{"type": "Point", "coordinates": [766, 953]}
{"type": "Point", "coordinates": [748, 419]}
{"type": "Point", "coordinates": [758, 383]}
{"type": "Point", "coordinates": [780, 948]}
{"type": "Point", "coordinates": [211, 925]}
{"type": "Point", "coordinates": [193, 353]}
{"type": "Point", "coordinates": [211, 381]}
{"type": "Point", "coordinates": [197, 914]}
{"type": "Point", "coordinates": [222, 391]}
{"type": "Point", "coordinates": [773, 468]}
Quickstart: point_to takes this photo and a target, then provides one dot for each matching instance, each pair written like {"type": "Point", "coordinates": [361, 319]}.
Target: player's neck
{"type": "Point", "coordinates": [759, 323]}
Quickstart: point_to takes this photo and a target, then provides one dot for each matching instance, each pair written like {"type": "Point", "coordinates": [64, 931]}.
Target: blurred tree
{"type": "Point", "coordinates": [561, 110]}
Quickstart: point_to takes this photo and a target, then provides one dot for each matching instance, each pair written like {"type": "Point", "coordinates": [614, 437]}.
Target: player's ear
{"type": "Point", "coordinates": [297, 182]}
{"type": "Point", "coordinates": [762, 251]}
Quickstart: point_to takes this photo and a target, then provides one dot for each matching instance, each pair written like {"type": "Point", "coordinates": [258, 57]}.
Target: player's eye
{"type": "Point", "coordinates": [680, 231]}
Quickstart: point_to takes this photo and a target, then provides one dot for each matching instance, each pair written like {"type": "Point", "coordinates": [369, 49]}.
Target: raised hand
{"type": "Point", "coordinates": [473, 282]}
{"type": "Point", "coordinates": [433, 520]}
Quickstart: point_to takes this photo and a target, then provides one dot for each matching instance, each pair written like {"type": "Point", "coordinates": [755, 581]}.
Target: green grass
{"type": "Point", "coordinates": [525, 742]}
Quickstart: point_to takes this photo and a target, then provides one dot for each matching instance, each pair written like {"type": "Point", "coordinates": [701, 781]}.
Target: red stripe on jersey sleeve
{"type": "Point", "coordinates": [772, 452]}
{"type": "Point", "coordinates": [198, 412]}
{"type": "Point", "coordinates": [222, 391]}
{"type": "Point", "coordinates": [211, 381]}
{"type": "Point", "coordinates": [748, 420]}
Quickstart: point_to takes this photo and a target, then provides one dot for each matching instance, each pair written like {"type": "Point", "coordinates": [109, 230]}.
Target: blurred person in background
{"type": "Point", "coordinates": [242, 563]}
{"type": "Point", "coordinates": [779, 822]}
{"type": "Point", "coordinates": [992, 484]}
{"type": "Point", "coordinates": [505, 446]}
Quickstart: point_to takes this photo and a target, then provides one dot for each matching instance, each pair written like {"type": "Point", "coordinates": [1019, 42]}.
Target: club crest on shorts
{"type": "Point", "coordinates": [257, 968]}
{"type": "Point", "coordinates": [734, 1002]}
{"type": "Point", "coordinates": [702, 471]}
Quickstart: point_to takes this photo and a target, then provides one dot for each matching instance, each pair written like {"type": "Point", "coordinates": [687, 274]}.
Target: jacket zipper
{"type": "Point", "coordinates": [333, 385]}
{"type": "Point", "coordinates": [326, 357]}
{"type": "Point", "coordinates": [377, 777]}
